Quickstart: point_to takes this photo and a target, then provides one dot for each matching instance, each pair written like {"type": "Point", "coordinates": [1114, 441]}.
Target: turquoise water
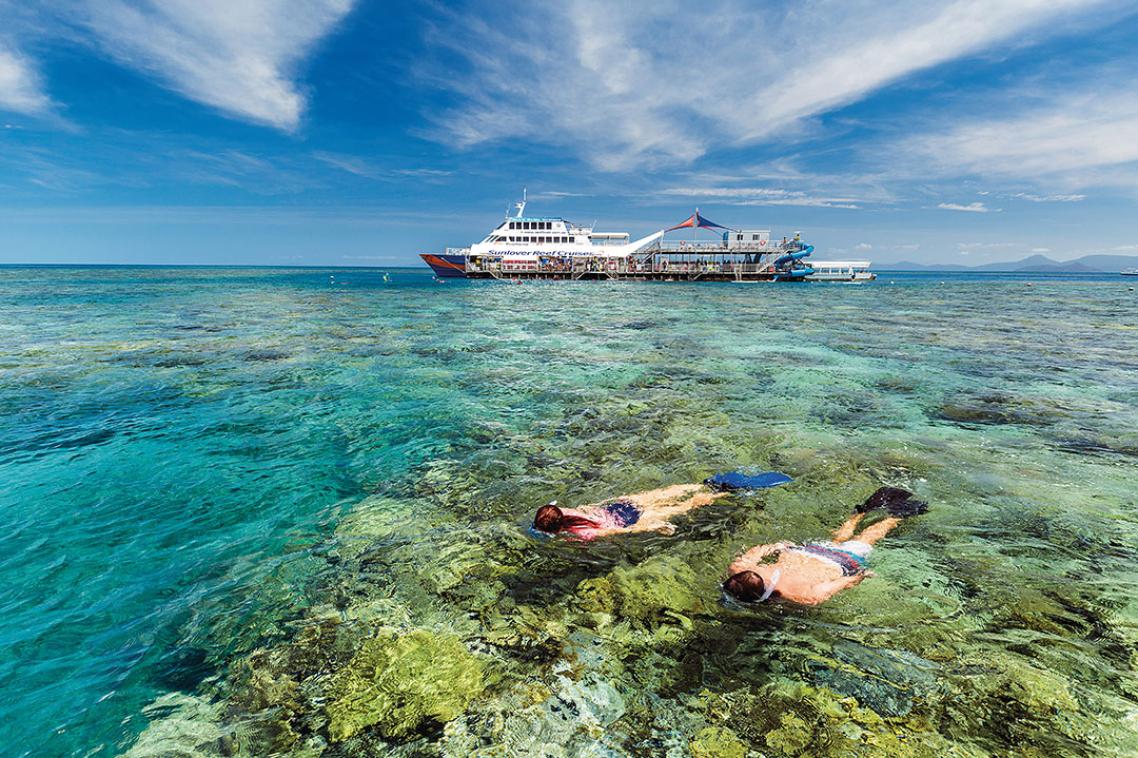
{"type": "Point", "coordinates": [203, 468]}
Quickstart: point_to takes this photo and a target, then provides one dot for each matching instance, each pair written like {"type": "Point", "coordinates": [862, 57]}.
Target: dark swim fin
{"type": "Point", "coordinates": [895, 501]}
{"type": "Point", "coordinates": [906, 508]}
{"type": "Point", "coordinates": [734, 481]}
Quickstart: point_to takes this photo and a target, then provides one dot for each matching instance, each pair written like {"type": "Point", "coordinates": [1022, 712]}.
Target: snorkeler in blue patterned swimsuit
{"type": "Point", "coordinates": [816, 571]}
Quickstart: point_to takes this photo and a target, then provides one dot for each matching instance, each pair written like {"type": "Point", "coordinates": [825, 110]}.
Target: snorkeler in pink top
{"type": "Point", "coordinates": [649, 511]}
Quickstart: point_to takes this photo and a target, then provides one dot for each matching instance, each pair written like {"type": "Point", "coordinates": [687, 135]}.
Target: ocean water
{"type": "Point", "coordinates": [218, 484]}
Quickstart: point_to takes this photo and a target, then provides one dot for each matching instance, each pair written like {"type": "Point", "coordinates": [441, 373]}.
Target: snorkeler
{"type": "Point", "coordinates": [650, 511]}
{"type": "Point", "coordinates": [816, 571]}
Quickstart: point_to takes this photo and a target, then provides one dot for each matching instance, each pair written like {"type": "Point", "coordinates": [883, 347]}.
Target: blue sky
{"type": "Point", "coordinates": [348, 132]}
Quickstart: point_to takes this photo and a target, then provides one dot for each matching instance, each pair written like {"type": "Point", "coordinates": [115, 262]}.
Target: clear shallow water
{"type": "Point", "coordinates": [204, 468]}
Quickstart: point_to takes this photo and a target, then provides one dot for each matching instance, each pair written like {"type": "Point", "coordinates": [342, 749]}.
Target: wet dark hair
{"type": "Point", "coordinates": [551, 520]}
{"type": "Point", "coordinates": [745, 586]}
{"type": "Point", "coordinates": [548, 519]}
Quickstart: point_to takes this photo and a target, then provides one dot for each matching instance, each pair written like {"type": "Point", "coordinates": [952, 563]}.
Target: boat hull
{"type": "Point", "coordinates": [451, 266]}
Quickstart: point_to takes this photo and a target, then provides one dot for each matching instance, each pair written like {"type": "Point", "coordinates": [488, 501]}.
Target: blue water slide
{"type": "Point", "coordinates": [793, 275]}
{"type": "Point", "coordinates": [797, 255]}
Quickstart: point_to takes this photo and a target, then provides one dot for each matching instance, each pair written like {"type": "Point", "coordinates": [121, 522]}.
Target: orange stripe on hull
{"type": "Point", "coordinates": [443, 267]}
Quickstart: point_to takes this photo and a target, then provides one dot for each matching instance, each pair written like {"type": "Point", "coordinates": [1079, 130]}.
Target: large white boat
{"type": "Point", "coordinates": [521, 240]}
{"type": "Point", "coordinates": [549, 247]}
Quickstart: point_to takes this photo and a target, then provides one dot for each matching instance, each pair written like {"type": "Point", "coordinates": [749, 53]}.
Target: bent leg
{"type": "Point", "coordinates": [872, 534]}
{"type": "Point", "coordinates": [846, 530]}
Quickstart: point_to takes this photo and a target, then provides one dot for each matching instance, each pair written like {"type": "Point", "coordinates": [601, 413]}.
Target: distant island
{"type": "Point", "coordinates": [1033, 264]}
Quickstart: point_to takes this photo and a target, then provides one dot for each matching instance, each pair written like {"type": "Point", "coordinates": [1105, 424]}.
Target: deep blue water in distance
{"type": "Point", "coordinates": [178, 445]}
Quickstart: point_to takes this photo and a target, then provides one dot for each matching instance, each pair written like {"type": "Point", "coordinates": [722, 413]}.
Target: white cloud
{"type": "Point", "coordinates": [1050, 198]}
{"type": "Point", "coordinates": [646, 82]}
{"type": "Point", "coordinates": [970, 208]}
{"type": "Point", "coordinates": [987, 245]}
{"type": "Point", "coordinates": [239, 57]}
{"type": "Point", "coordinates": [863, 246]}
{"type": "Point", "coordinates": [1075, 140]}
{"type": "Point", "coordinates": [554, 195]}
{"type": "Point", "coordinates": [20, 88]}
{"type": "Point", "coordinates": [760, 196]}
{"type": "Point", "coordinates": [361, 167]}
{"type": "Point", "coordinates": [349, 163]}
{"type": "Point", "coordinates": [1041, 250]}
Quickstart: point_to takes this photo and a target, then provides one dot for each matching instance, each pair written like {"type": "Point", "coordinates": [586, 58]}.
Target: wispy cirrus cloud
{"type": "Point", "coordinates": [1050, 198]}
{"type": "Point", "coordinates": [759, 196]}
{"type": "Point", "coordinates": [21, 89]}
{"type": "Point", "coordinates": [369, 170]}
{"type": "Point", "coordinates": [973, 246]}
{"type": "Point", "coordinates": [644, 83]}
{"type": "Point", "coordinates": [1072, 139]}
{"type": "Point", "coordinates": [239, 57]}
{"type": "Point", "coordinates": [970, 208]}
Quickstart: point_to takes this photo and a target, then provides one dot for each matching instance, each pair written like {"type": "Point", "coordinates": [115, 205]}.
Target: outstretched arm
{"type": "Point", "coordinates": [826, 590]}
{"type": "Point", "coordinates": [752, 557]}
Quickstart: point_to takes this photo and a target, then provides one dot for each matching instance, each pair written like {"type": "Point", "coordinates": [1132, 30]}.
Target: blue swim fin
{"type": "Point", "coordinates": [733, 481]}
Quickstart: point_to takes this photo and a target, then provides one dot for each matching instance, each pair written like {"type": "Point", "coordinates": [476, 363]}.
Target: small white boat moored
{"type": "Point", "coordinates": [841, 271]}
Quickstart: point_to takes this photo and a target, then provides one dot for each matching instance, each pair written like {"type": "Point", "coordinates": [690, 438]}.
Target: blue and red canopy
{"type": "Point", "coordinates": [696, 220]}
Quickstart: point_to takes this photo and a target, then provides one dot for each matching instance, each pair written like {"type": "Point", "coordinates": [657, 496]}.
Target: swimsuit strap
{"type": "Point", "coordinates": [770, 588]}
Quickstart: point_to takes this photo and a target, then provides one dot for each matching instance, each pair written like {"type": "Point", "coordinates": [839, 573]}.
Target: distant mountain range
{"type": "Point", "coordinates": [1033, 264]}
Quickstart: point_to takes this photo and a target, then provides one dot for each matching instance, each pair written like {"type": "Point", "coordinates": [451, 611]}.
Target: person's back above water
{"type": "Point", "coordinates": [816, 571]}
{"type": "Point", "coordinates": [647, 511]}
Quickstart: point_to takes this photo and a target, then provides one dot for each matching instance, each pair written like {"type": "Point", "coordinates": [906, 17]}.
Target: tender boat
{"type": "Point", "coordinates": [841, 271]}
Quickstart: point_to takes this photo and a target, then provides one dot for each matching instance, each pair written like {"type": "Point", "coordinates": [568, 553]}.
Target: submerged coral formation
{"type": "Point", "coordinates": [397, 682]}
{"type": "Point", "coordinates": [717, 742]}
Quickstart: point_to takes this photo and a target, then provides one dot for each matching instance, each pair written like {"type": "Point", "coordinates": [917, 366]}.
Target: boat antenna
{"type": "Point", "coordinates": [522, 205]}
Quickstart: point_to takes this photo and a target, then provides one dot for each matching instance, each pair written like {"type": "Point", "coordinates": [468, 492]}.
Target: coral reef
{"type": "Point", "coordinates": [717, 742]}
{"type": "Point", "coordinates": [397, 682]}
{"type": "Point", "coordinates": [455, 633]}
